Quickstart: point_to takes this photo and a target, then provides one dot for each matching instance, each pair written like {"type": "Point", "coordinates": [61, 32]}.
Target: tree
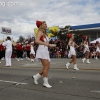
{"type": "Point", "coordinates": [54, 32]}
{"type": "Point", "coordinates": [62, 34]}
{"type": "Point", "coordinates": [21, 39]}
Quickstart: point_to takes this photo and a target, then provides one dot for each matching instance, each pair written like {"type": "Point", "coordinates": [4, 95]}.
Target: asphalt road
{"type": "Point", "coordinates": [16, 82]}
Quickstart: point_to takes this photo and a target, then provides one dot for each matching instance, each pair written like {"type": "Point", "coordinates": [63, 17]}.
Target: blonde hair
{"type": "Point", "coordinates": [41, 27]}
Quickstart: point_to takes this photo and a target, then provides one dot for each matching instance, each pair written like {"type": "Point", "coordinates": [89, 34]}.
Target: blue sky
{"type": "Point", "coordinates": [21, 17]}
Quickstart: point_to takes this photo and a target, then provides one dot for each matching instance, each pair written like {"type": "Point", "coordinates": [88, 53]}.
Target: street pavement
{"type": "Point", "coordinates": [16, 82]}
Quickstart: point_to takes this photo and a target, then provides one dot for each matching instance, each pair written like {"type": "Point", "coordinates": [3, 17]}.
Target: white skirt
{"type": "Point", "coordinates": [97, 50]}
{"type": "Point", "coordinates": [42, 53]}
{"type": "Point", "coordinates": [32, 52]}
{"type": "Point", "coordinates": [86, 49]}
{"type": "Point", "coordinates": [71, 52]}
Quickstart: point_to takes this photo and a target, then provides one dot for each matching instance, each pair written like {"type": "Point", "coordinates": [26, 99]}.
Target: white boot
{"type": "Point", "coordinates": [87, 61]}
{"type": "Point", "coordinates": [36, 77]}
{"type": "Point", "coordinates": [75, 67]}
{"type": "Point", "coordinates": [96, 58]}
{"type": "Point", "coordinates": [83, 60]}
{"type": "Point", "coordinates": [32, 60]}
{"type": "Point", "coordinates": [18, 60]}
{"type": "Point", "coordinates": [67, 65]}
{"type": "Point", "coordinates": [46, 84]}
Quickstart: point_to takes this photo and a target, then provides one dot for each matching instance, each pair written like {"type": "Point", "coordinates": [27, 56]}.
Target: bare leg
{"type": "Point", "coordinates": [46, 66]}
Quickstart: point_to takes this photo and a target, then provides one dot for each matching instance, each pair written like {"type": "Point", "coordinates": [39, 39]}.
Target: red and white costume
{"type": "Point", "coordinates": [42, 51]}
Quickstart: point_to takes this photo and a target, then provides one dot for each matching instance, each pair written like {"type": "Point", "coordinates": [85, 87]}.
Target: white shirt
{"type": "Point", "coordinates": [8, 45]}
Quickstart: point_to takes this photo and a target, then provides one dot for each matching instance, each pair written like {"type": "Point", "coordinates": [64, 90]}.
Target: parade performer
{"type": "Point", "coordinates": [0, 51]}
{"type": "Point", "coordinates": [42, 53]}
{"type": "Point", "coordinates": [18, 51]}
{"type": "Point", "coordinates": [72, 52]}
{"type": "Point", "coordinates": [28, 50]}
{"type": "Point", "coordinates": [86, 50]}
{"type": "Point", "coordinates": [97, 50]}
{"type": "Point", "coordinates": [8, 52]}
{"type": "Point", "coordinates": [32, 52]}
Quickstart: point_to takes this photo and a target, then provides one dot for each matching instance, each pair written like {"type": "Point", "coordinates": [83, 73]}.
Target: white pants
{"type": "Point", "coordinates": [8, 54]}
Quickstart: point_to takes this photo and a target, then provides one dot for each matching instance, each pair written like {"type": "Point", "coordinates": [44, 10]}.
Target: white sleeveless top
{"type": "Point", "coordinates": [42, 51]}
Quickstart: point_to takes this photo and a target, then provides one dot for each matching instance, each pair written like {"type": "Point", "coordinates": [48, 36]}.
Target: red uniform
{"type": "Point", "coordinates": [27, 47]}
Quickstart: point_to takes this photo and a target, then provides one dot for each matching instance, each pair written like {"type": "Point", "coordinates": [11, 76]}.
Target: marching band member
{"type": "Point", "coordinates": [32, 52]}
{"type": "Point", "coordinates": [8, 53]}
{"type": "Point", "coordinates": [0, 51]}
{"type": "Point", "coordinates": [3, 52]}
{"type": "Point", "coordinates": [97, 50]}
{"type": "Point", "coordinates": [27, 48]}
{"type": "Point", "coordinates": [42, 53]}
{"type": "Point", "coordinates": [72, 52]}
{"type": "Point", "coordinates": [86, 49]}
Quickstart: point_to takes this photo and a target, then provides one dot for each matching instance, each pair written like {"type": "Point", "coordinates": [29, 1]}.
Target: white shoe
{"type": "Point", "coordinates": [67, 65]}
{"type": "Point", "coordinates": [96, 58]}
{"type": "Point", "coordinates": [18, 60]}
{"type": "Point", "coordinates": [46, 84]}
{"type": "Point", "coordinates": [21, 59]}
{"type": "Point", "coordinates": [75, 67]}
{"type": "Point", "coordinates": [36, 77]}
{"type": "Point", "coordinates": [32, 60]}
{"type": "Point", "coordinates": [83, 60]}
{"type": "Point", "coordinates": [3, 58]}
{"type": "Point", "coordinates": [28, 58]}
{"type": "Point", "coordinates": [88, 62]}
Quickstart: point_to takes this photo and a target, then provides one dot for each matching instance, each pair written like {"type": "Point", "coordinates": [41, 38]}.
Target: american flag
{"type": "Point", "coordinates": [6, 30]}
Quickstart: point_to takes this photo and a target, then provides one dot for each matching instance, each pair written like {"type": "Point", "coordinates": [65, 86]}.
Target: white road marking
{"type": "Point", "coordinates": [17, 83]}
{"type": "Point", "coordinates": [95, 91]}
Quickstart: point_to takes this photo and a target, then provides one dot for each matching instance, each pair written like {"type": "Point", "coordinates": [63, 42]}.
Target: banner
{"type": "Point", "coordinates": [48, 31]}
{"type": "Point", "coordinates": [6, 31]}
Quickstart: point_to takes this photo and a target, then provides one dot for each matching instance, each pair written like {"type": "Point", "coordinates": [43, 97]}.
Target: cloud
{"type": "Point", "coordinates": [21, 17]}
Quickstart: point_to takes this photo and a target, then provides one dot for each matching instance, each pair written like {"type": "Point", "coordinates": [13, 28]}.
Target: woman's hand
{"type": "Point", "coordinates": [46, 44]}
{"type": "Point", "coordinates": [52, 45]}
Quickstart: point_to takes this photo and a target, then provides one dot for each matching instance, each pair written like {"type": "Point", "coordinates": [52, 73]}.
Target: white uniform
{"type": "Point", "coordinates": [86, 48]}
{"type": "Point", "coordinates": [72, 51]}
{"type": "Point", "coordinates": [98, 49]}
{"type": "Point", "coordinates": [42, 51]}
{"type": "Point", "coordinates": [8, 53]}
{"type": "Point", "coordinates": [32, 50]}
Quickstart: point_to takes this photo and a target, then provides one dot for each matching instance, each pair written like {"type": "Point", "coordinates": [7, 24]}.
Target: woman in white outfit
{"type": "Point", "coordinates": [97, 50]}
{"type": "Point", "coordinates": [86, 49]}
{"type": "Point", "coordinates": [32, 52]}
{"type": "Point", "coordinates": [72, 52]}
{"type": "Point", "coordinates": [42, 53]}
{"type": "Point", "coordinates": [8, 53]}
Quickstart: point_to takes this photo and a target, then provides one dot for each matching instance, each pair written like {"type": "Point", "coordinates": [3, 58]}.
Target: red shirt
{"type": "Point", "coordinates": [0, 47]}
{"type": "Point", "coordinates": [18, 47]}
{"type": "Point", "coordinates": [28, 47]}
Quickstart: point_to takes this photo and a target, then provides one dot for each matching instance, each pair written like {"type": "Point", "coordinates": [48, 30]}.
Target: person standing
{"type": "Point", "coordinates": [28, 51]}
{"type": "Point", "coordinates": [72, 52]}
{"type": "Point", "coordinates": [8, 52]}
{"type": "Point", "coordinates": [0, 51]}
{"type": "Point", "coordinates": [86, 50]}
{"type": "Point", "coordinates": [97, 50]}
{"type": "Point", "coordinates": [42, 53]}
{"type": "Point", "coordinates": [32, 52]}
